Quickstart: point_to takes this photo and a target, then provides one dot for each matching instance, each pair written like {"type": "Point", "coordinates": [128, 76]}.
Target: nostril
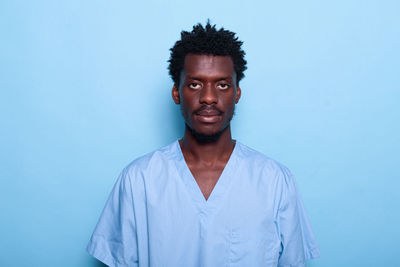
{"type": "Point", "coordinates": [208, 95]}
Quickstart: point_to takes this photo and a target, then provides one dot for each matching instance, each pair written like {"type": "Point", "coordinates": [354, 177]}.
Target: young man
{"type": "Point", "coordinates": [206, 199]}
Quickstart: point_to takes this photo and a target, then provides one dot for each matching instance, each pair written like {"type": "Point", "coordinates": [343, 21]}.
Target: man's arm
{"type": "Point", "coordinates": [297, 239]}
{"type": "Point", "coordinates": [114, 240]}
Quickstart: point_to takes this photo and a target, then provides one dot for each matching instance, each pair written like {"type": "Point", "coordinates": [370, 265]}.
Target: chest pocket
{"type": "Point", "coordinates": [253, 239]}
{"type": "Point", "coordinates": [257, 248]}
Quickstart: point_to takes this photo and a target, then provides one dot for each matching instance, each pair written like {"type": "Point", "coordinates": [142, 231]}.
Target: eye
{"type": "Point", "coordinates": [194, 86]}
{"type": "Point", "coordinates": [223, 86]}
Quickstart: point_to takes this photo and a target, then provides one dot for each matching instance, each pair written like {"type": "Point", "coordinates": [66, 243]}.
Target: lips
{"type": "Point", "coordinates": [208, 111]}
{"type": "Point", "coordinates": [208, 115]}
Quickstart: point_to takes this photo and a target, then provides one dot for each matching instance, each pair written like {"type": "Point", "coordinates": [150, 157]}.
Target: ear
{"type": "Point", "coordinates": [175, 95]}
{"type": "Point", "coordinates": [238, 94]}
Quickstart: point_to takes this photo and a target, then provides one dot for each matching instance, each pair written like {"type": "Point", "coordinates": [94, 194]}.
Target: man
{"type": "Point", "coordinates": [206, 199]}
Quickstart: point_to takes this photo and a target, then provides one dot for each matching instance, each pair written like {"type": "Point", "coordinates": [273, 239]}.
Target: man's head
{"type": "Point", "coordinates": [206, 41]}
{"type": "Point", "coordinates": [206, 66]}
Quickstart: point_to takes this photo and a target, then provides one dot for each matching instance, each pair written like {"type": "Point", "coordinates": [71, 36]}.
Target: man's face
{"type": "Point", "coordinates": [207, 93]}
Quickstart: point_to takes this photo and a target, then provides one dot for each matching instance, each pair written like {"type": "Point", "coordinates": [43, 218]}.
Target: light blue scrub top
{"type": "Point", "coordinates": [156, 215]}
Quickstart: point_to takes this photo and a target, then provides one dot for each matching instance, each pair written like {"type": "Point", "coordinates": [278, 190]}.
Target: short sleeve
{"type": "Point", "coordinates": [114, 240]}
{"type": "Point", "coordinates": [297, 238]}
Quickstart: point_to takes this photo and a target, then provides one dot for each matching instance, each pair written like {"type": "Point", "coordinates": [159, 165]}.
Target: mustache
{"type": "Point", "coordinates": [207, 109]}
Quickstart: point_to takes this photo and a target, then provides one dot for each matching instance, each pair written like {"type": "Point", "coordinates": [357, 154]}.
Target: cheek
{"type": "Point", "coordinates": [229, 109]}
{"type": "Point", "coordinates": [187, 99]}
{"type": "Point", "coordinates": [186, 112]}
{"type": "Point", "coordinates": [184, 109]}
{"type": "Point", "coordinates": [189, 103]}
{"type": "Point", "coordinates": [229, 103]}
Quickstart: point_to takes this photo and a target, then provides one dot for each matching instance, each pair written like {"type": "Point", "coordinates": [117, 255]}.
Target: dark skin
{"type": "Point", "coordinates": [207, 93]}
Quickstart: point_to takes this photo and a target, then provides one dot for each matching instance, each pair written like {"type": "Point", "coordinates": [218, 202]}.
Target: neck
{"type": "Point", "coordinates": [212, 150]}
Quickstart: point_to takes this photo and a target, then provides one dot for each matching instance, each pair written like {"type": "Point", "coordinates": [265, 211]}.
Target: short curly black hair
{"type": "Point", "coordinates": [206, 41]}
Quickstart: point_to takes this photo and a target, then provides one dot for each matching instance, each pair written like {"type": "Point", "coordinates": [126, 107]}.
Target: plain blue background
{"type": "Point", "coordinates": [85, 90]}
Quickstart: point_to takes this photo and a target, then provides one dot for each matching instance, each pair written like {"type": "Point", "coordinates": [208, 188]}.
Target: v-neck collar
{"type": "Point", "coordinates": [221, 187]}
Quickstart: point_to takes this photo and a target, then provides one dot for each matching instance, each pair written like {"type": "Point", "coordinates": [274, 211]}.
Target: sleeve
{"type": "Point", "coordinates": [297, 238]}
{"type": "Point", "coordinates": [114, 240]}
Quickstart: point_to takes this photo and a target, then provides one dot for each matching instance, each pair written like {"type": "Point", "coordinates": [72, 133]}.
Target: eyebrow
{"type": "Point", "coordinates": [199, 79]}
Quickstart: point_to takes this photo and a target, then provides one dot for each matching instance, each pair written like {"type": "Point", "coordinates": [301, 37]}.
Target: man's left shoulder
{"type": "Point", "coordinates": [259, 160]}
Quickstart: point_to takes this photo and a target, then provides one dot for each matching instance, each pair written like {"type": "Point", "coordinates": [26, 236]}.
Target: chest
{"type": "Point", "coordinates": [206, 177]}
{"type": "Point", "coordinates": [235, 227]}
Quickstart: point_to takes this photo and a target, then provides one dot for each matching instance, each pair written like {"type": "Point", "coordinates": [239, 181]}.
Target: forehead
{"type": "Point", "coordinates": [208, 66]}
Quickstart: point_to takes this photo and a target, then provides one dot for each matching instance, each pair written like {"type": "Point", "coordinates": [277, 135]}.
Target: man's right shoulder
{"type": "Point", "coordinates": [152, 161]}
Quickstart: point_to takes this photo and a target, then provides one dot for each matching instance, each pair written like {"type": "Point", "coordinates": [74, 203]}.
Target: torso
{"type": "Point", "coordinates": [206, 176]}
{"type": "Point", "coordinates": [207, 171]}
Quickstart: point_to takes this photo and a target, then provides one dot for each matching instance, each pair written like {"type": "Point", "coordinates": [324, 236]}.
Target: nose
{"type": "Point", "coordinates": [208, 95]}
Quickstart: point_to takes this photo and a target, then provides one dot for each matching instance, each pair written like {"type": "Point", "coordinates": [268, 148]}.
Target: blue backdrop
{"type": "Point", "coordinates": [85, 90]}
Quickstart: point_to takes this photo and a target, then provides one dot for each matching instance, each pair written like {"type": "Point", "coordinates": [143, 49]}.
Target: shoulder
{"type": "Point", "coordinates": [256, 158]}
{"type": "Point", "coordinates": [273, 175]}
{"type": "Point", "coordinates": [156, 157]}
{"type": "Point", "coordinates": [269, 167]}
{"type": "Point", "coordinates": [152, 161]}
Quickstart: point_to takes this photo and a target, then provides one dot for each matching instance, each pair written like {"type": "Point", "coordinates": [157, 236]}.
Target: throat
{"type": "Point", "coordinates": [207, 162]}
